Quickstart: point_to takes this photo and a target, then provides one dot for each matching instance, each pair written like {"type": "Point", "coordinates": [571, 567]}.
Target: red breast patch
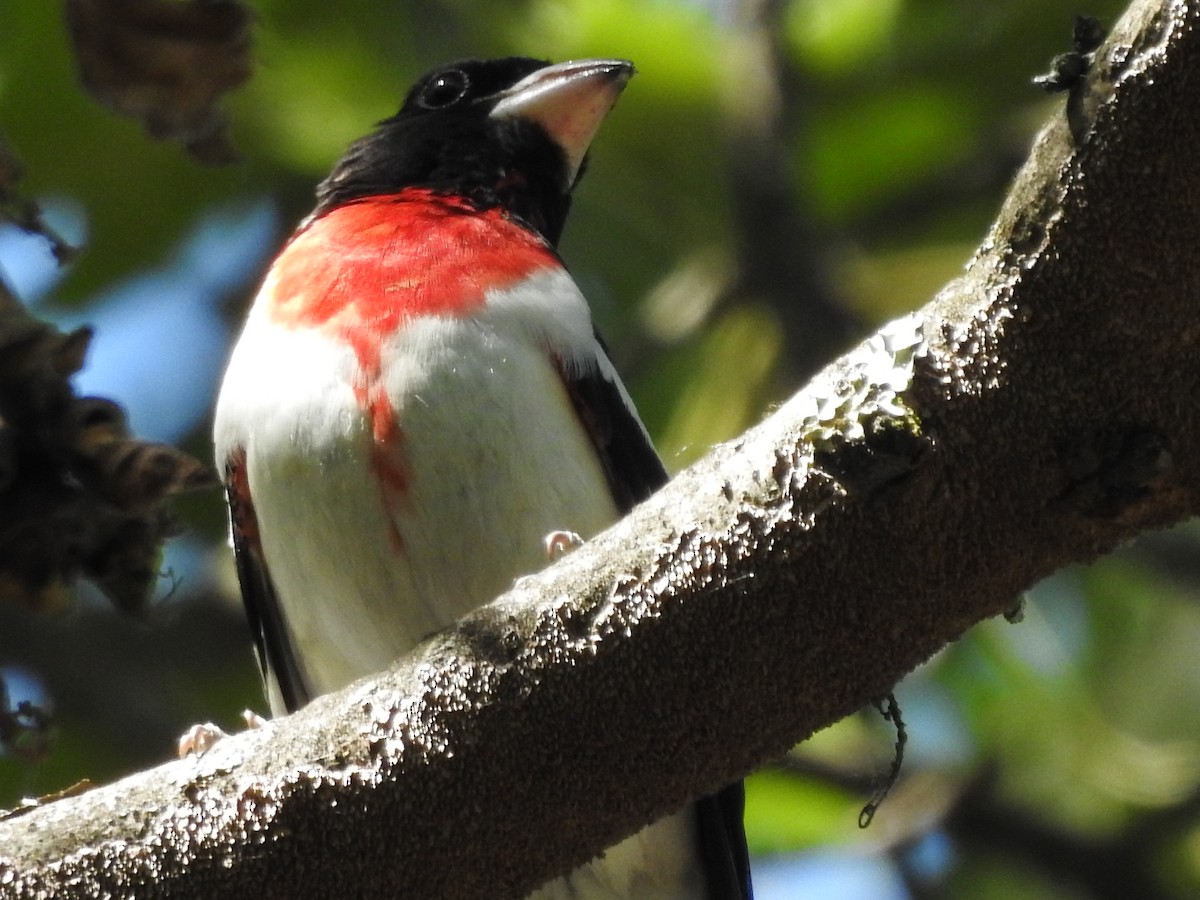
{"type": "Point", "coordinates": [361, 270]}
{"type": "Point", "coordinates": [381, 260]}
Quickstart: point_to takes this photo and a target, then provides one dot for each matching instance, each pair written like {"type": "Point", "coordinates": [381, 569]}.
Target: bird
{"type": "Point", "coordinates": [419, 401]}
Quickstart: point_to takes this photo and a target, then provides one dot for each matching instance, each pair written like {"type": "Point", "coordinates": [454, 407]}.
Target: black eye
{"type": "Point", "coordinates": [443, 89]}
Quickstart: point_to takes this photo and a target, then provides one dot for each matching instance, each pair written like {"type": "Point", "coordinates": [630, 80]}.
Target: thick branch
{"type": "Point", "coordinates": [1047, 412]}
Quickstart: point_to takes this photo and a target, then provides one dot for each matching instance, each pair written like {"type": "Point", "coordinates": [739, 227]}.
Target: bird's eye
{"type": "Point", "coordinates": [444, 89]}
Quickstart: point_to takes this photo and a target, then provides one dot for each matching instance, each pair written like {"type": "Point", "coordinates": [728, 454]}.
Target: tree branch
{"type": "Point", "coordinates": [1038, 412]}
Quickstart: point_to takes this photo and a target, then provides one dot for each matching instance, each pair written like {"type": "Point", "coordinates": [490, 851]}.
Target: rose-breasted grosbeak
{"type": "Point", "coordinates": [419, 398]}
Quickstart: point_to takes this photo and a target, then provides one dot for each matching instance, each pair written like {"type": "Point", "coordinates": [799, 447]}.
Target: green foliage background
{"type": "Point", "coordinates": [1055, 758]}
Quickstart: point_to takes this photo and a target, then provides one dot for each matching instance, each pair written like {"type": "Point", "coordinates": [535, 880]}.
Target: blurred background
{"type": "Point", "coordinates": [778, 179]}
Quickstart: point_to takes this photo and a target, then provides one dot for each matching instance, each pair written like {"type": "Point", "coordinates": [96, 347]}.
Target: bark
{"type": "Point", "coordinates": [1038, 412]}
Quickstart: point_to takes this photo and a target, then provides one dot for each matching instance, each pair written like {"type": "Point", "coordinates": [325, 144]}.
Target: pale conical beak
{"type": "Point", "coordinates": [569, 100]}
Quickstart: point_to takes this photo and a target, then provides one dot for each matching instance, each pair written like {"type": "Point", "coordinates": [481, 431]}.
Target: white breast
{"type": "Point", "coordinates": [496, 459]}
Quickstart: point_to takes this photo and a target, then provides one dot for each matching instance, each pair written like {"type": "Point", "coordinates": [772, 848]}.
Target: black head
{"type": "Point", "coordinates": [510, 133]}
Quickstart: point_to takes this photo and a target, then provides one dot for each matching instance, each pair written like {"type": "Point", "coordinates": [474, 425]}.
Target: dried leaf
{"type": "Point", "coordinates": [166, 63]}
{"type": "Point", "coordinates": [80, 496]}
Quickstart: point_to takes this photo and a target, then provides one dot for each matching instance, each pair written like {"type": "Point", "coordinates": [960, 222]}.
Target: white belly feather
{"type": "Point", "coordinates": [496, 460]}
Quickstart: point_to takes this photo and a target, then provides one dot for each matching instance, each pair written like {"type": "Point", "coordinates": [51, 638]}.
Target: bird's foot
{"type": "Point", "coordinates": [203, 736]}
{"type": "Point", "coordinates": [559, 543]}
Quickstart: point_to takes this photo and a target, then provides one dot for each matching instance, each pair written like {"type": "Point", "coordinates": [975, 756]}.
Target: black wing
{"type": "Point", "coordinates": [634, 472]}
{"type": "Point", "coordinates": [276, 658]}
{"type": "Point", "coordinates": [723, 843]}
{"type": "Point", "coordinates": [629, 459]}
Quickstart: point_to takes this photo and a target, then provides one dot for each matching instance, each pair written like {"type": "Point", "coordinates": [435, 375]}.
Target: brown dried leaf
{"type": "Point", "coordinates": [133, 474]}
{"type": "Point", "coordinates": [79, 495]}
{"type": "Point", "coordinates": [166, 63]}
{"type": "Point", "coordinates": [126, 566]}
